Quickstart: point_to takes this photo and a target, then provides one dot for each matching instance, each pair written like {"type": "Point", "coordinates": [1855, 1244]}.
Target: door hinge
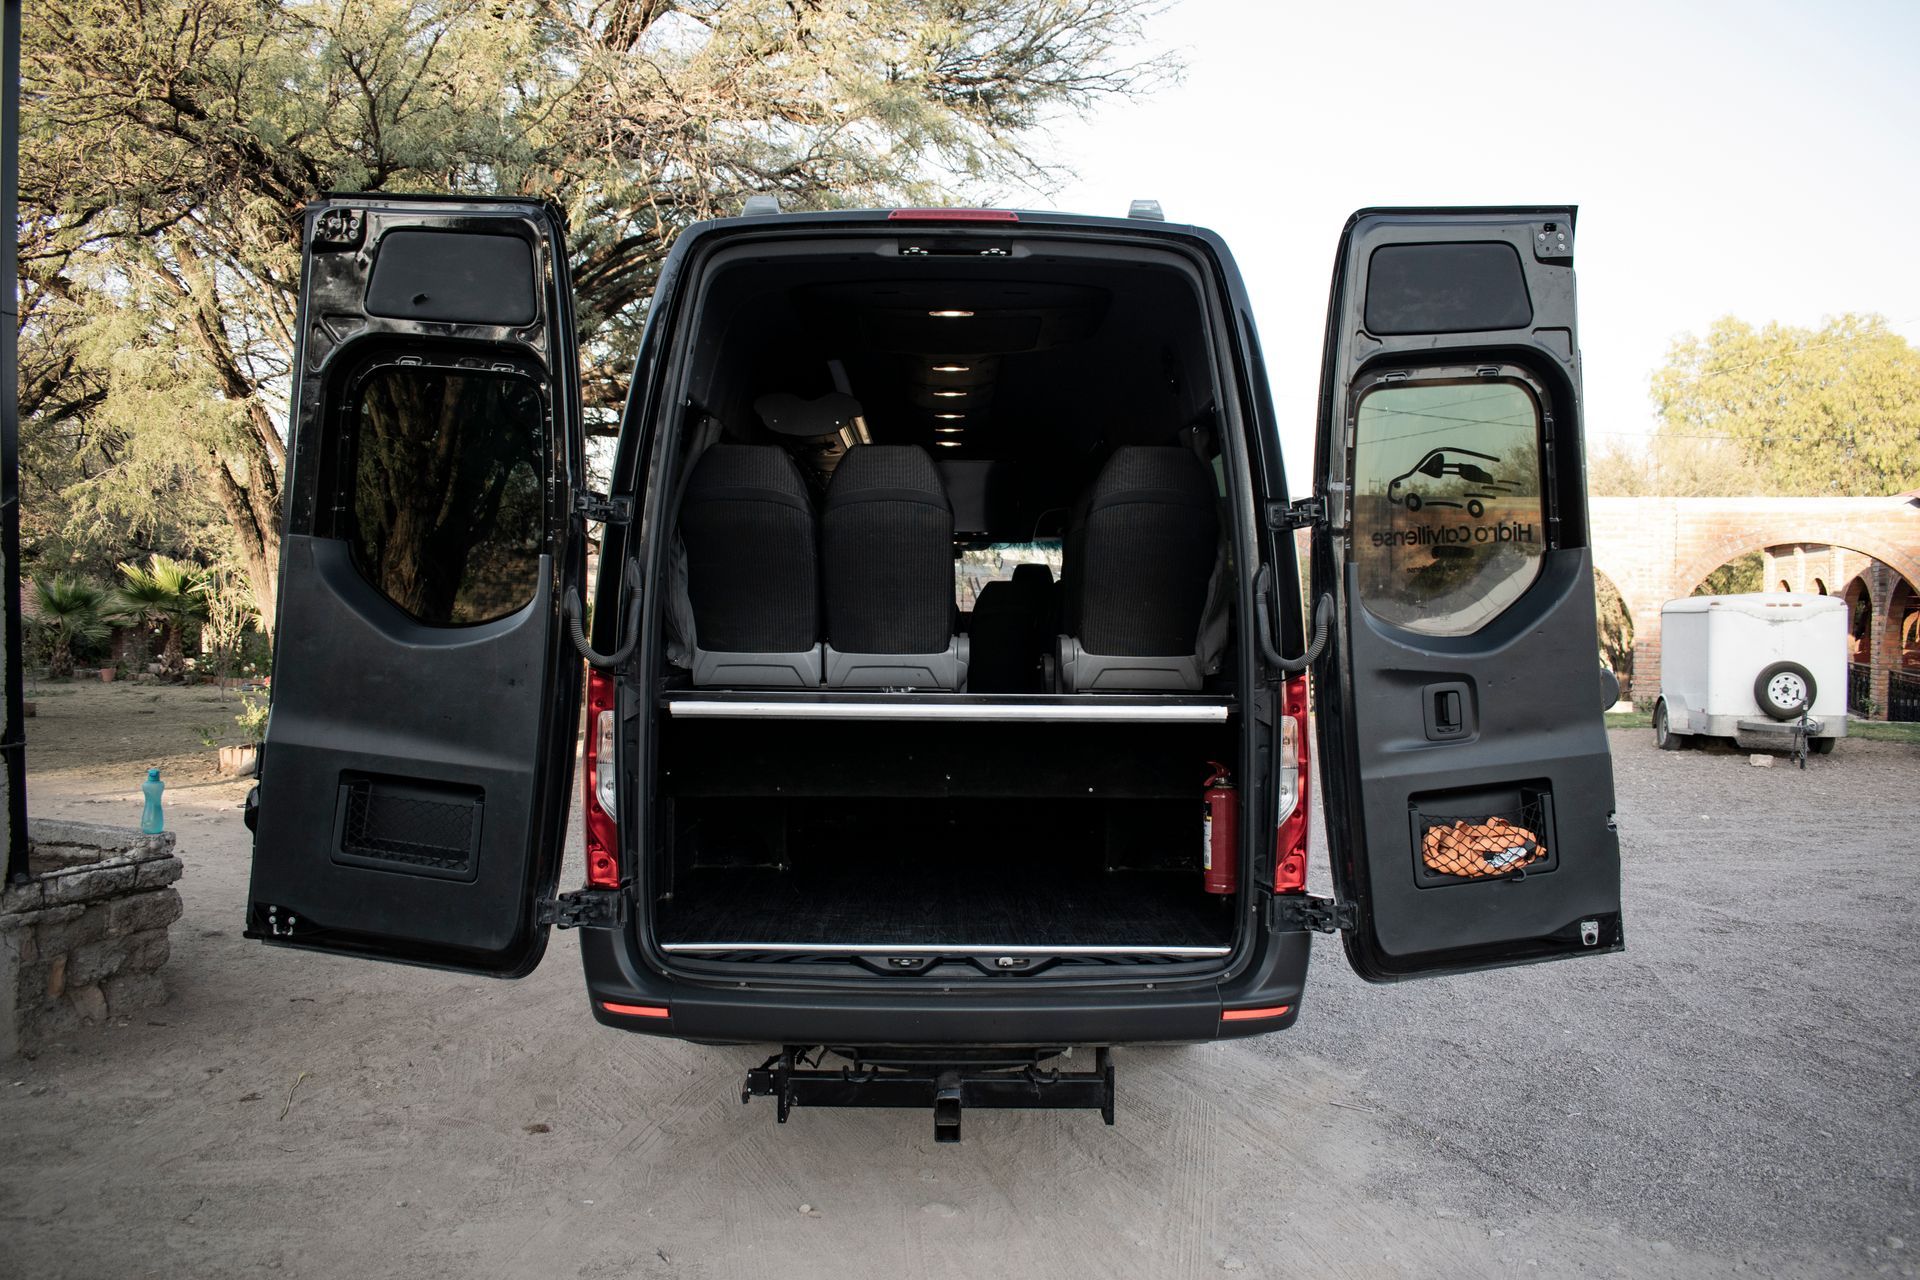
{"type": "Point", "coordinates": [584, 909]}
{"type": "Point", "coordinates": [602, 509]}
{"type": "Point", "coordinates": [1294, 912]}
{"type": "Point", "coordinates": [1307, 513]}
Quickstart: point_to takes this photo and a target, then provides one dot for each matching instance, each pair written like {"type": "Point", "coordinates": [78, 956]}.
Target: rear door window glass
{"type": "Point", "coordinates": [444, 498]}
{"type": "Point", "coordinates": [1448, 527]}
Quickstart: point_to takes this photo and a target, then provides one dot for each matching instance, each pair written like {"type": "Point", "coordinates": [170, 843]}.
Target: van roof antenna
{"type": "Point", "coordinates": [760, 205]}
{"type": "Point", "coordinates": [1149, 210]}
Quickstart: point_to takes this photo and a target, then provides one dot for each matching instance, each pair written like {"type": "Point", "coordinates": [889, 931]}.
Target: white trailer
{"type": "Point", "coordinates": [1746, 667]}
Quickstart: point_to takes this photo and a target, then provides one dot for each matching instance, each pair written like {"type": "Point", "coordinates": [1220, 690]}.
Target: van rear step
{"type": "Point", "coordinates": [948, 1080]}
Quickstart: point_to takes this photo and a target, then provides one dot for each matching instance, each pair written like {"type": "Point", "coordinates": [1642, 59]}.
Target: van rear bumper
{"type": "Point", "coordinates": [1003, 1012]}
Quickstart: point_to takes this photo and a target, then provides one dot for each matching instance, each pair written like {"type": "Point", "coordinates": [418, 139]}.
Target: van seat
{"type": "Point", "coordinates": [886, 542]}
{"type": "Point", "coordinates": [753, 575]}
{"type": "Point", "coordinates": [1140, 553]}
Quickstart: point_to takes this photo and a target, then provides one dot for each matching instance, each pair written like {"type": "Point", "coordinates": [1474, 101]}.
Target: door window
{"type": "Point", "coordinates": [1448, 527]}
{"type": "Point", "coordinates": [444, 500]}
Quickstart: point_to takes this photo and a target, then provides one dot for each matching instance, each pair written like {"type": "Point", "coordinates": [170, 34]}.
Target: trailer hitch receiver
{"type": "Point", "coordinates": [948, 1080]}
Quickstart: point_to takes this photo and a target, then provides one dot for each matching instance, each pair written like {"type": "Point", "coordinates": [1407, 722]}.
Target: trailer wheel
{"type": "Point", "coordinates": [1821, 746]}
{"type": "Point", "coordinates": [1663, 735]}
{"type": "Point", "coordinates": [1783, 689]}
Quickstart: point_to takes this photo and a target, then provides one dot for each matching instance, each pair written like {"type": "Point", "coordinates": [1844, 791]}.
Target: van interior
{"type": "Point", "coordinates": [948, 644]}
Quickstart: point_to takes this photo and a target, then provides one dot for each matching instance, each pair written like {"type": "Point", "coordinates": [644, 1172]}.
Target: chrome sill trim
{"type": "Point", "coordinates": [883, 949]}
{"type": "Point", "coordinates": [696, 709]}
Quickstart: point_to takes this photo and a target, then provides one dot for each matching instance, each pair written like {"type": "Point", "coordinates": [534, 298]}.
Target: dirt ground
{"type": "Point", "coordinates": [1734, 1094]}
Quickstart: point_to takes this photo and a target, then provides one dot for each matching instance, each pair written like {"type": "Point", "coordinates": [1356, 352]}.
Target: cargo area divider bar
{"type": "Point", "coordinates": [934, 949]}
{"type": "Point", "coordinates": [1073, 710]}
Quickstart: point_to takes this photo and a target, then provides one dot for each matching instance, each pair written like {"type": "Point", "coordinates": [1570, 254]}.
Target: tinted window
{"type": "Point", "coordinates": [1446, 288]}
{"type": "Point", "coordinates": [1447, 520]}
{"type": "Point", "coordinates": [443, 490]}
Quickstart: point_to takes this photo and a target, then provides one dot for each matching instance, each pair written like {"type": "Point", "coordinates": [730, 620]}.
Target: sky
{"type": "Point", "coordinates": [1759, 160]}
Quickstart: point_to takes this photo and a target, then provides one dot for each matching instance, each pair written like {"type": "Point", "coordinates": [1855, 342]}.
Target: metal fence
{"type": "Point", "coordinates": [1859, 689]}
{"type": "Point", "coordinates": [1903, 696]}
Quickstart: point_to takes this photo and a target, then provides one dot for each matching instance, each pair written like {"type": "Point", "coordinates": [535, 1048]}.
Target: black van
{"type": "Point", "coordinates": [947, 683]}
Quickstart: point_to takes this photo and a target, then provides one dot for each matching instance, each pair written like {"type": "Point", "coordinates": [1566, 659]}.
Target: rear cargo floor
{"type": "Point", "coordinates": [990, 907]}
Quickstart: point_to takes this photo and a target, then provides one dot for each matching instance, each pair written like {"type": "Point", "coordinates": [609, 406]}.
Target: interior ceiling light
{"type": "Point", "coordinates": [953, 368]}
{"type": "Point", "coordinates": [950, 314]}
{"type": "Point", "coordinates": [948, 444]}
{"type": "Point", "coordinates": [950, 395]}
{"type": "Point", "coordinates": [948, 431]}
{"type": "Point", "coordinates": [950, 417]}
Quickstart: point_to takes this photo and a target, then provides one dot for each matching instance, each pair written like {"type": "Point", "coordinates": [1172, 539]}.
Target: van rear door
{"type": "Point", "coordinates": [1468, 782]}
{"type": "Point", "coordinates": [412, 799]}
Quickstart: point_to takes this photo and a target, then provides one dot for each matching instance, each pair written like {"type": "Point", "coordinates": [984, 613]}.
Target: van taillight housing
{"type": "Point", "coordinates": [598, 786]}
{"type": "Point", "coordinates": [1290, 857]}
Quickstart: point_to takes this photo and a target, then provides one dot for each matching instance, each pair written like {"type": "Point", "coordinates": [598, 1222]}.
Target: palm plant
{"type": "Point", "coordinates": [166, 593]}
{"type": "Point", "coordinates": [71, 612]}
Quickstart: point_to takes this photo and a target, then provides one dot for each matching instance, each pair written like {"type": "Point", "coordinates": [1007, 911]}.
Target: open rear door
{"type": "Point", "coordinates": [1468, 784]}
{"type": "Point", "coordinates": [412, 800]}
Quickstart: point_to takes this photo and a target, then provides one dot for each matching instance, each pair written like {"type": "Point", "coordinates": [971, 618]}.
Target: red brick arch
{"type": "Point", "coordinates": [1725, 547]}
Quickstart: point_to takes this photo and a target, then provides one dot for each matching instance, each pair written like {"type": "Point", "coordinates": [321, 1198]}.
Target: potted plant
{"type": "Point", "coordinates": [243, 760]}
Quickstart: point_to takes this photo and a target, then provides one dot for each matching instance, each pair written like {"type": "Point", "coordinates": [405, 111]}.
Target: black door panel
{"type": "Point", "coordinates": [413, 783]}
{"type": "Point", "coordinates": [1472, 821]}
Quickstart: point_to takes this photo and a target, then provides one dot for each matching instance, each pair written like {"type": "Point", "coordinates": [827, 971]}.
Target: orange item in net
{"type": "Point", "coordinates": [1492, 847]}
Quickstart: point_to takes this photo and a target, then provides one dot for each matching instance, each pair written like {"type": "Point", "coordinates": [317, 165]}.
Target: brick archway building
{"type": "Point", "coordinates": [1659, 549]}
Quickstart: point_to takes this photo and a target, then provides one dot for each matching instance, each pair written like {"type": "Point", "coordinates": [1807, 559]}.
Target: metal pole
{"type": "Point", "coordinates": [13, 739]}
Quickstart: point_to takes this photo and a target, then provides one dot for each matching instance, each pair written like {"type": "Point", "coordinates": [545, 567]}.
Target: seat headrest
{"type": "Point", "coordinates": [887, 472]}
{"type": "Point", "coordinates": [1146, 473]}
{"type": "Point", "coordinates": [789, 415]}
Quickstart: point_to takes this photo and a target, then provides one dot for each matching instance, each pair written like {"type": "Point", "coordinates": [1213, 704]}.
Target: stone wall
{"type": "Point", "coordinates": [85, 937]}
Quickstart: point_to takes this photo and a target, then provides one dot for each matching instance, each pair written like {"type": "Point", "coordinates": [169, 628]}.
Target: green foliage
{"type": "Point", "coordinates": [253, 718]}
{"type": "Point", "coordinates": [1737, 577]}
{"type": "Point", "coordinates": [168, 148]}
{"type": "Point", "coordinates": [167, 594]}
{"type": "Point", "coordinates": [1616, 630]}
{"type": "Point", "coordinates": [71, 615]}
{"type": "Point", "coordinates": [1833, 411]}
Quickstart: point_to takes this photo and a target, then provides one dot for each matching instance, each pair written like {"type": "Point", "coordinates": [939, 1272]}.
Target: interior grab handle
{"type": "Point", "coordinates": [1322, 626]}
{"type": "Point", "coordinates": [576, 612]}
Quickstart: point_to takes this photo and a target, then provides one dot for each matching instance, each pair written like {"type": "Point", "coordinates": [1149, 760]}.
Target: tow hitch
{"type": "Point", "coordinates": [948, 1080]}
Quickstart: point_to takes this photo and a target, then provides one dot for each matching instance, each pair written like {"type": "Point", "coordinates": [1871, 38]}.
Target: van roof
{"type": "Point", "coordinates": [1764, 604]}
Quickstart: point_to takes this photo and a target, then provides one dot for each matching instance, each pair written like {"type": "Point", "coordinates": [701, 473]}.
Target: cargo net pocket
{"type": "Point", "coordinates": [1500, 844]}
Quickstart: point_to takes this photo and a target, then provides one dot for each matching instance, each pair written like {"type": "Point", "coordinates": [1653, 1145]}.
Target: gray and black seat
{"type": "Point", "coordinates": [1011, 629]}
{"type": "Point", "coordinates": [753, 574]}
{"type": "Point", "coordinates": [886, 550]}
{"type": "Point", "coordinates": [1140, 554]}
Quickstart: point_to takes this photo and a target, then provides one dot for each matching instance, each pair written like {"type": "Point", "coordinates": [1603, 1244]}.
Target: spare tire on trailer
{"type": "Point", "coordinates": [1783, 689]}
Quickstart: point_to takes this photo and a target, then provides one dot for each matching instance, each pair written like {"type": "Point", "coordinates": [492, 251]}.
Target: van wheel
{"type": "Point", "coordinates": [1783, 688]}
{"type": "Point", "coordinates": [1663, 735]}
{"type": "Point", "coordinates": [1821, 746]}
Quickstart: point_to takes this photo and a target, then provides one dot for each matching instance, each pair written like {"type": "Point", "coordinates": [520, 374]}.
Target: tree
{"type": "Point", "coordinates": [70, 614]}
{"type": "Point", "coordinates": [166, 594]}
{"type": "Point", "coordinates": [1833, 411]}
{"type": "Point", "coordinates": [169, 146]}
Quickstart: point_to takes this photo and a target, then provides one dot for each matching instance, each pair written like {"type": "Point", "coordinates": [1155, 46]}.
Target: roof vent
{"type": "Point", "coordinates": [1146, 209]}
{"type": "Point", "coordinates": [760, 206]}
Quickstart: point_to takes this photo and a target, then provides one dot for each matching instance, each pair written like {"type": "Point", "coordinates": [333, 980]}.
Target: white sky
{"type": "Point", "coordinates": [1757, 159]}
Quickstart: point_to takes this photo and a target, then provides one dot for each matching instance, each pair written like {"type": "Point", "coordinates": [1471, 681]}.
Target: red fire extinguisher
{"type": "Point", "coordinates": [1220, 827]}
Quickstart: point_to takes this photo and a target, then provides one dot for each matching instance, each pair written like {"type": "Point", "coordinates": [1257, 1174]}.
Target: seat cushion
{"type": "Point", "coordinates": [1143, 553]}
{"type": "Point", "coordinates": [752, 569]}
{"type": "Point", "coordinates": [886, 549]}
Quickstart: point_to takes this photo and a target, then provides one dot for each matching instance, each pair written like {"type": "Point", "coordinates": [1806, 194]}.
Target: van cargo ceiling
{"type": "Point", "coordinates": [1025, 356]}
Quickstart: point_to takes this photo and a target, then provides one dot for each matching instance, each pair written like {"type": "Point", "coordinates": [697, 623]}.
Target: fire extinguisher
{"type": "Point", "coordinates": [1220, 829]}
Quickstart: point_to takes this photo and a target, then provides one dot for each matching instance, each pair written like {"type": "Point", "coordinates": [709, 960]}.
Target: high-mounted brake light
{"type": "Point", "coordinates": [1290, 854]}
{"type": "Point", "coordinates": [953, 215]}
{"type": "Point", "coordinates": [598, 786]}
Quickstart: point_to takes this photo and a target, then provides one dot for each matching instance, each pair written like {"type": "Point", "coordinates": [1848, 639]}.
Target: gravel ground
{"type": "Point", "coordinates": [1732, 1095]}
{"type": "Point", "coordinates": [1742, 1077]}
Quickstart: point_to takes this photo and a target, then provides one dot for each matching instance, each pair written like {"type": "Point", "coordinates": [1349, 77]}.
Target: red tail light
{"type": "Point", "coordinates": [1290, 858]}
{"type": "Point", "coordinates": [953, 215]}
{"type": "Point", "coordinates": [597, 784]}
